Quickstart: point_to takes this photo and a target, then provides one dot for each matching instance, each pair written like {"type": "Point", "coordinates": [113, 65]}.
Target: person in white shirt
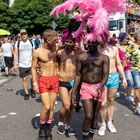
{"type": "Point", "coordinates": [23, 61]}
{"type": "Point", "coordinates": [7, 51]}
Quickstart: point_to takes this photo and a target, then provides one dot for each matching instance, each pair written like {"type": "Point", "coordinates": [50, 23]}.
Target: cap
{"type": "Point", "coordinates": [23, 31]}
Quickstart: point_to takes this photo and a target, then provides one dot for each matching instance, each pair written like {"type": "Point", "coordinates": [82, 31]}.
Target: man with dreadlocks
{"type": "Point", "coordinates": [92, 70]}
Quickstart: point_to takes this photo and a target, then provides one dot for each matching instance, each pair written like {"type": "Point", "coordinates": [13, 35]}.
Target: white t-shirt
{"type": "Point", "coordinates": [7, 49]}
{"type": "Point", "coordinates": [25, 53]}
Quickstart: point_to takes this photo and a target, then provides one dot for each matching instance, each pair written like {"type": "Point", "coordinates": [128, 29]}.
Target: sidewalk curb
{"type": "Point", "coordinates": [8, 80]}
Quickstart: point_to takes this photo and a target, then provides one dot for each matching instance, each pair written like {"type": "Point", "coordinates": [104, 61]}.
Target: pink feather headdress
{"type": "Point", "coordinates": [92, 13]}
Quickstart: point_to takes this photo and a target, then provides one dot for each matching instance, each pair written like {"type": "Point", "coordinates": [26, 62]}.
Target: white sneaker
{"type": "Point", "coordinates": [102, 129]}
{"type": "Point", "coordinates": [118, 94]}
{"type": "Point", "coordinates": [111, 127]}
{"type": "Point", "coordinates": [130, 99]}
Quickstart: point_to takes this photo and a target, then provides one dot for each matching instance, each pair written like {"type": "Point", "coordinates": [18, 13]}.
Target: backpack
{"type": "Point", "coordinates": [19, 43]}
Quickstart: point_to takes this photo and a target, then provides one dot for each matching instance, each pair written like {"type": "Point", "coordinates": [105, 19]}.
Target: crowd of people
{"type": "Point", "coordinates": [133, 7]}
{"type": "Point", "coordinates": [92, 74]}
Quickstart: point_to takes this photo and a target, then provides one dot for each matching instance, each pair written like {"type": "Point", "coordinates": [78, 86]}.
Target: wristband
{"type": "Point", "coordinates": [34, 84]}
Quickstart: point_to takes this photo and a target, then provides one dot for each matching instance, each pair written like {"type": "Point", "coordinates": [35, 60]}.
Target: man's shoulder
{"type": "Point", "coordinates": [78, 51]}
{"type": "Point", "coordinates": [104, 57]}
{"type": "Point", "coordinates": [60, 51]}
{"type": "Point", "coordinates": [82, 56]}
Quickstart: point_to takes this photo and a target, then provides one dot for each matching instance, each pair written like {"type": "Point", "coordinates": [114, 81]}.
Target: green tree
{"type": "Point", "coordinates": [4, 18]}
{"type": "Point", "coordinates": [34, 16]}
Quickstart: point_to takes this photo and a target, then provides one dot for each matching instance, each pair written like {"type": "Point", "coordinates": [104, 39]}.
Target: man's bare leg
{"type": "Point", "coordinates": [66, 106]}
{"type": "Point", "coordinates": [65, 101]}
{"type": "Point", "coordinates": [25, 87]}
{"type": "Point", "coordinates": [52, 98]}
{"type": "Point", "coordinates": [87, 106]}
{"type": "Point", "coordinates": [96, 108]}
{"type": "Point", "coordinates": [69, 115]}
{"type": "Point", "coordinates": [33, 94]}
{"type": "Point", "coordinates": [6, 71]}
{"type": "Point", "coordinates": [111, 103]}
{"type": "Point", "coordinates": [137, 97]}
{"type": "Point", "coordinates": [111, 106]}
{"type": "Point", "coordinates": [45, 111]}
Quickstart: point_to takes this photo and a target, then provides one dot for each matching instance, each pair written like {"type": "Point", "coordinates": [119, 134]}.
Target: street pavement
{"type": "Point", "coordinates": [19, 118]}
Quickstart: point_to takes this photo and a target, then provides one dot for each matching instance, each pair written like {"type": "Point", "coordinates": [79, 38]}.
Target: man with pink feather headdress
{"type": "Point", "coordinates": [94, 14]}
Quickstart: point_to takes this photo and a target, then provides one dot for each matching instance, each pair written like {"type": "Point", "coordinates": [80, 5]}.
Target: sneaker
{"type": "Point", "coordinates": [33, 94]}
{"type": "Point", "coordinates": [102, 129]}
{"type": "Point", "coordinates": [78, 108]}
{"type": "Point", "coordinates": [130, 99]}
{"type": "Point", "coordinates": [61, 129]}
{"type": "Point", "coordinates": [137, 110]}
{"type": "Point", "coordinates": [91, 133]}
{"type": "Point", "coordinates": [26, 97]}
{"type": "Point", "coordinates": [118, 94]}
{"type": "Point", "coordinates": [111, 127]}
{"type": "Point", "coordinates": [70, 131]}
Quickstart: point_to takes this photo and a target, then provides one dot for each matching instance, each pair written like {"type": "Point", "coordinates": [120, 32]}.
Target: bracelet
{"type": "Point", "coordinates": [34, 83]}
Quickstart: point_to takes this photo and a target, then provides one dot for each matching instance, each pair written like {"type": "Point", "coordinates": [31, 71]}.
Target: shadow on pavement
{"type": "Point", "coordinates": [35, 122]}
{"type": "Point", "coordinates": [76, 123]}
{"type": "Point", "coordinates": [20, 92]}
{"type": "Point", "coordinates": [38, 100]}
{"type": "Point", "coordinates": [122, 100]}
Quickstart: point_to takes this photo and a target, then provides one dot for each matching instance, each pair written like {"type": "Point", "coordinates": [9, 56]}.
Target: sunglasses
{"type": "Point", "coordinates": [23, 34]}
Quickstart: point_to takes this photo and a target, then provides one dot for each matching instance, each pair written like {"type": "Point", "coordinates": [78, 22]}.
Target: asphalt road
{"type": "Point", "coordinates": [19, 118]}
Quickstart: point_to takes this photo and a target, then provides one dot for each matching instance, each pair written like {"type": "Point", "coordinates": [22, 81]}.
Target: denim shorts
{"type": "Point", "coordinates": [136, 78]}
{"type": "Point", "coordinates": [113, 80]}
{"type": "Point", "coordinates": [129, 78]}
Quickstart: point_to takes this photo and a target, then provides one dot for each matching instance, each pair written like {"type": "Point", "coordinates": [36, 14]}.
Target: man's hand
{"type": "Point", "coordinates": [124, 83]}
{"type": "Point", "coordinates": [74, 99]}
{"type": "Point", "coordinates": [99, 90]}
{"type": "Point", "coordinates": [35, 87]}
{"type": "Point", "coordinates": [16, 68]}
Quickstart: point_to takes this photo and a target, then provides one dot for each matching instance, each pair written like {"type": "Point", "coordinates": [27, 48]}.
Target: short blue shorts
{"type": "Point", "coordinates": [136, 78]}
{"type": "Point", "coordinates": [129, 78]}
{"type": "Point", "coordinates": [113, 80]}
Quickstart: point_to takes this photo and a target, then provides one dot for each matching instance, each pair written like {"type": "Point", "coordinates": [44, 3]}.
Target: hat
{"type": "Point", "coordinates": [23, 31]}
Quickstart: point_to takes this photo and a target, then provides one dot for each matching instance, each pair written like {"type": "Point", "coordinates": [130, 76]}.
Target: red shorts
{"type": "Point", "coordinates": [48, 84]}
{"type": "Point", "coordinates": [88, 91]}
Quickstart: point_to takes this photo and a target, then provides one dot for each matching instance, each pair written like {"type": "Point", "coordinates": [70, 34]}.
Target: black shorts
{"type": "Point", "coordinates": [23, 72]}
{"type": "Point", "coordinates": [8, 61]}
{"type": "Point", "coordinates": [65, 84]}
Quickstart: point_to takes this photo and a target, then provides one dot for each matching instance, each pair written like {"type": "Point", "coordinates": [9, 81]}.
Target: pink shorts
{"type": "Point", "coordinates": [88, 91]}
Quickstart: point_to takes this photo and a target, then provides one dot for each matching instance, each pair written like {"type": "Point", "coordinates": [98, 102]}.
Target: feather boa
{"type": "Point", "coordinates": [94, 14]}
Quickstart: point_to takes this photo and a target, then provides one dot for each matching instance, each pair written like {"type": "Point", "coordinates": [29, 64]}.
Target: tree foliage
{"type": "Point", "coordinates": [30, 14]}
{"type": "Point", "coordinates": [4, 18]}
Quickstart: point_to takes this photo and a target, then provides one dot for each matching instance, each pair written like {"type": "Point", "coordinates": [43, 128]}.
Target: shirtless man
{"type": "Point", "coordinates": [112, 86]}
{"type": "Point", "coordinates": [92, 70]}
{"type": "Point", "coordinates": [67, 63]}
{"type": "Point", "coordinates": [48, 80]}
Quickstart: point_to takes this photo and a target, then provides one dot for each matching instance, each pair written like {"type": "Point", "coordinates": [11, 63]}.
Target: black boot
{"type": "Point", "coordinates": [42, 132]}
{"type": "Point", "coordinates": [48, 131]}
{"type": "Point", "coordinates": [85, 137]}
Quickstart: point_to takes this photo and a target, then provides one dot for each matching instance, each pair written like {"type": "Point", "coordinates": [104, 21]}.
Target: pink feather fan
{"type": "Point", "coordinates": [113, 6]}
{"type": "Point", "coordinates": [94, 14]}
